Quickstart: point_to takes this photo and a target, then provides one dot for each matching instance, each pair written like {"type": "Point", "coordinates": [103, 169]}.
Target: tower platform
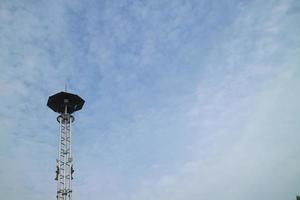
{"type": "Point", "coordinates": [62, 100]}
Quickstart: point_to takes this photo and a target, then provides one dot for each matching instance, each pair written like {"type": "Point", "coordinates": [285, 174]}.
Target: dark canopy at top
{"type": "Point", "coordinates": [58, 102]}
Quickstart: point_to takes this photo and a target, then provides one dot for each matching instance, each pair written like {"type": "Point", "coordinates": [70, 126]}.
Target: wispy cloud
{"type": "Point", "coordinates": [184, 100]}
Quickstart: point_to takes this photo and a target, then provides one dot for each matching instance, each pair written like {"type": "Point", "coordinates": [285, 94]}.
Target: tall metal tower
{"type": "Point", "coordinates": [65, 104]}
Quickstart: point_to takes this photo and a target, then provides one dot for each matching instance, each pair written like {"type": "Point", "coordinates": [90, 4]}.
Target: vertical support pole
{"type": "Point", "coordinates": [70, 157]}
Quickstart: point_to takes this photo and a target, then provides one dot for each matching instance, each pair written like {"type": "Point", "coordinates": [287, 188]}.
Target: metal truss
{"type": "Point", "coordinates": [64, 168]}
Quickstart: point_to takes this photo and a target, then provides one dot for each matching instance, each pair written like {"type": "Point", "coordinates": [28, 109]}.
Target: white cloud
{"type": "Point", "coordinates": [240, 130]}
{"type": "Point", "coordinates": [246, 117]}
{"type": "Point", "coordinates": [261, 164]}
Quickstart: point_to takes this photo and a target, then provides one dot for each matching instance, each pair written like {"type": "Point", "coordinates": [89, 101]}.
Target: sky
{"type": "Point", "coordinates": [185, 99]}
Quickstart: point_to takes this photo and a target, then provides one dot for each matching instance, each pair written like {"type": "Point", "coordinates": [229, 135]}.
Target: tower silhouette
{"type": "Point", "coordinates": [65, 104]}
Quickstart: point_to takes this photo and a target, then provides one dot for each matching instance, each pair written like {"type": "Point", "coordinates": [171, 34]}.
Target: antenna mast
{"type": "Point", "coordinates": [65, 104]}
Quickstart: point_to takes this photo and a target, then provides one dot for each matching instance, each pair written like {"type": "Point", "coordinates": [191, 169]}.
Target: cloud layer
{"type": "Point", "coordinates": [185, 100]}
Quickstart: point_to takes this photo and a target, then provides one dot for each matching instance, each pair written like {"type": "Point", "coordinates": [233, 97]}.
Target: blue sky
{"type": "Point", "coordinates": [185, 100]}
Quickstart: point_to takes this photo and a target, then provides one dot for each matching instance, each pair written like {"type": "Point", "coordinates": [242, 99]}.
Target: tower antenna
{"type": "Point", "coordinates": [65, 104]}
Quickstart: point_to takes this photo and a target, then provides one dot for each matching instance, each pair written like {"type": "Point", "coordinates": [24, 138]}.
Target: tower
{"type": "Point", "coordinates": [65, 104]}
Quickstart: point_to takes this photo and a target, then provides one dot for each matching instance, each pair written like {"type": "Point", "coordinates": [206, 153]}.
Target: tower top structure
{"type": "Point", "coordinates": [64, 102]}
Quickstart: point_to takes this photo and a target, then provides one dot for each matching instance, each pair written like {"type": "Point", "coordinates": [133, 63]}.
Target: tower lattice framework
{"type": "Point", "coordinates": [64, 158]}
